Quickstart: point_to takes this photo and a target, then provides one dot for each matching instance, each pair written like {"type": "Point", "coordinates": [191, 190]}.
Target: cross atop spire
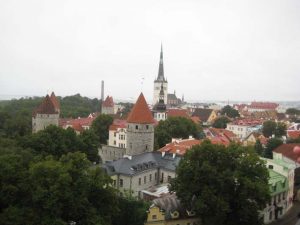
{"type": "Point", "coordinates": [160, 76]}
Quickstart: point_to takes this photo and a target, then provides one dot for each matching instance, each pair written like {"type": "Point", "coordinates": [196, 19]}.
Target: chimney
{"type": "Point", "coordinates": [102, 90]}
{"type": "Point", "coordinates": [163, 154]}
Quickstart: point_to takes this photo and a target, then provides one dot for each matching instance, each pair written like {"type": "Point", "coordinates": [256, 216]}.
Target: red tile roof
{"type": "Point", "coordinates": [287, 151]}
{"type": "Point", "coordinates": [248, 122]}
{"type": "Point", "coordinates": [108, 102]}
{"type": "Point", "coordinates": [117, 123]}
{"type": "Point", "coordinates": [55, 101]}
{"type": "Point", "coordinates": [180, 146]}
{"type": "Point", "coordinates": [223, 133]}
{"type": "Point", "coordinates": [46, 107]}
{"type": "Point", "coordinates": [178, 113]}
{"type": "Point", "coordinates": [263, 105]}
{"type": "Point", "coordinates": [140, 112]}
{"type": "Point", "coordinates": [293, 134]}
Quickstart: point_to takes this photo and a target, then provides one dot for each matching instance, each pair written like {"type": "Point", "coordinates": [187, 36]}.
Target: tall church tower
{"type": "Point", "coordinates": [140, 128]}
{"type": "Point", "coordinates": [160, 81]}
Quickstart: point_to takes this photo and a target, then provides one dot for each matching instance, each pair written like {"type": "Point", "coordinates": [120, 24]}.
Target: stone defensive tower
{"type": "Point", "coordinates": [47, 113]}
{"type": "Point", "coordinates": [140, 128]}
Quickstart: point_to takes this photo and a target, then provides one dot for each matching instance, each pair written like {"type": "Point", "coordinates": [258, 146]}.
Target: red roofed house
{"type": "Point", "coordinates": [117, 133]}
{"type": "Point", "coordinates": [220, 136]}
{"type": "Point", "coordinates": [79, 124]}
{"type": "Point", "coordinates": [262, 106]}
{"type": "Point", "coordinates": [293, 132]}
{"type": "Point", "coordinates": [47, 113]}
{"type": "Point", "coordinates": [140, 128]}
{"type": "Point", "coordinates": [179, 146]}
{"type": "Point", "coordinates": [206, 116]}
{"type": "Point", "coordinates": [285, 152]}
{"type": "Point", "coordinates": [178, 113]}
{"type": "Point", "coordinates": [108, 106]}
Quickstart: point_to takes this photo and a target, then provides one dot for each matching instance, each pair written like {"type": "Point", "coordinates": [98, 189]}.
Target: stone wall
{"type": "Point", "coordinates": [41, 121]}
{"type": "Point", "coordinates": [140, 138]}
{"type": "Point", "coordinates": [110, 153]}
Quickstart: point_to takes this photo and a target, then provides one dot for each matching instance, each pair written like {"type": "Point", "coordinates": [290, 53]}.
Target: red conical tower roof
{"type": "Point", "coordinates": [46, 107]}
{"type": "Point", "coordinates": [140, 112]}
{"type": "Point", "coordinates": [55, 101]}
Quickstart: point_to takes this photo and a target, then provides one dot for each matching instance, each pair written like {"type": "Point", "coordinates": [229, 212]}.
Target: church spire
{"type": "Point", "coordinates": [160, 76]}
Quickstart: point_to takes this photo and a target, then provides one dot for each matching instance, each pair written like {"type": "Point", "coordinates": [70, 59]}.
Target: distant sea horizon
{"type": "Point", "coordinates": [293, 103]}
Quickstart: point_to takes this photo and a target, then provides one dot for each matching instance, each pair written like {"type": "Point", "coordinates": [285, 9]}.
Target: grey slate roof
{"type": "Point", "coordinates": [141, 162]}
{"type": "Point", "coordinates": [169, 204]}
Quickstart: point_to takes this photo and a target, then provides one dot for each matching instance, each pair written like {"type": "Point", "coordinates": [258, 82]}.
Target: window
{"type": "Point", "coordinates": [154, 217]}
{"type": "Point", "coordinates": [270, 166]}
{"type": "Point", "coordinates": [136, 127]}
{"type": "Point", "coordinates": [121, 182]}
{"type": "Point", "coordinates": [130, 144]}
{"type": "Point", "coordinates": [115, 142]}
{"type": "Point", "coordinates": [145, 179]}
{"type": "Point", "coordinates": [146, 147]}
{"type": "Point", "coordinates": [115, 134]}
{"type": "Point", "coordinates": [150, 177]}
{"type": "Point", "coordinates": [162, 178]}
{"type": "Point", "coordinates": [140, 181]}
{"type": "Point", "coordinates": [147, 127]}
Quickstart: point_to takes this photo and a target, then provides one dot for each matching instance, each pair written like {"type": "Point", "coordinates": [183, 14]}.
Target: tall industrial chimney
{"type": "Point", "coordinates": [102, 90]}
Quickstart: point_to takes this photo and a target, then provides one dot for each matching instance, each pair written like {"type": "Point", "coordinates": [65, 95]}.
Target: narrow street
{"type": "Point", "coordinates": [291, 217]}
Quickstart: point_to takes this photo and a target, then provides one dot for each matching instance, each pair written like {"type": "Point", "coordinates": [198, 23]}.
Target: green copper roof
{"type": "Point", "coordinates": [277, 182]}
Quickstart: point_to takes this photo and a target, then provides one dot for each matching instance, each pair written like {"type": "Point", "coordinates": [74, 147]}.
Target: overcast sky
{"type": "Point", "coordinates": [213, 50]}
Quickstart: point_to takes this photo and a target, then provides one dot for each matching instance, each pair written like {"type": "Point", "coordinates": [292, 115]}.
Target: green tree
{"type": "Point", "coordinates": [226, 186]}
{"type": "Point", "coordinates": [280, 129]}
{"type": "Point", "coordinates": [221, 122]}
{"type": "Point", "coordinates": [272, 128]}
{"type": "Point", "coordinates": [131, 211]}
{"type": "Point", "coordinates": [47, 191]}
{"type": "Point", "coordinates": [175, 127]}
{"type": "Point", "coordinates": [230, 112]}
{"type": "Point", "coordinates": [100, 126]}
{"type": "Point", "coordinates": [292, 111]}
{"type": "Point", "coordinates": [259, 149]}
{"type": "Point", "coordinates": [90, 145]}
{"type": "Point", "coordinates": [271, 145]}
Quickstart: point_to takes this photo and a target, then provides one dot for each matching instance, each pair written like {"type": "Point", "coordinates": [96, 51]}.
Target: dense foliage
{"type": "Point", "coordinates": [227, 186]}
{"type": "Point", "coordinates": [221, 122]}
{"type": "Point", "coordinates": [48, 191]}
{"type": "Point", "coordinates": [292, 111]}
{"type": "Point", "coordinates": [230, 112]}
{"type": "Point", "coordinates": [271, 145]}
{"type": "Point", "coordinates": [273, 128]}
{"type": "Point", "coordinates": [56, 141]}
{"type": "Point", "coordinates": [258, 147]}
{"type": "Point", "coordinates": [175, 127]}
{"type": "Point", "coordinates": [100, 127]}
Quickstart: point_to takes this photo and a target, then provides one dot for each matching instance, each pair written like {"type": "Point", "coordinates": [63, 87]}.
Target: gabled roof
{"type": "Point", "coordinates": [293, 134]}
{"type": "Point", "coordinates": [46, 107]}
{"type": "Point", "coordinates": [203, 114]}
{"type": "Point", "coordinates": [140, 112]}
{"type": "Point", "coordinates": [180, 146]}
{"type": "Point", "coordinates": [263, 105]}
{"type": "Point", "coordinates": [287, 151]}
{"type": "Point", "coordinates": [117, 123]}
{"type": "Point", "coordinates": [142, 162]}
{"type": "Point", "coordinates": [178, 113]}
{"type": "Point", "coordinates": [108, 102]}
